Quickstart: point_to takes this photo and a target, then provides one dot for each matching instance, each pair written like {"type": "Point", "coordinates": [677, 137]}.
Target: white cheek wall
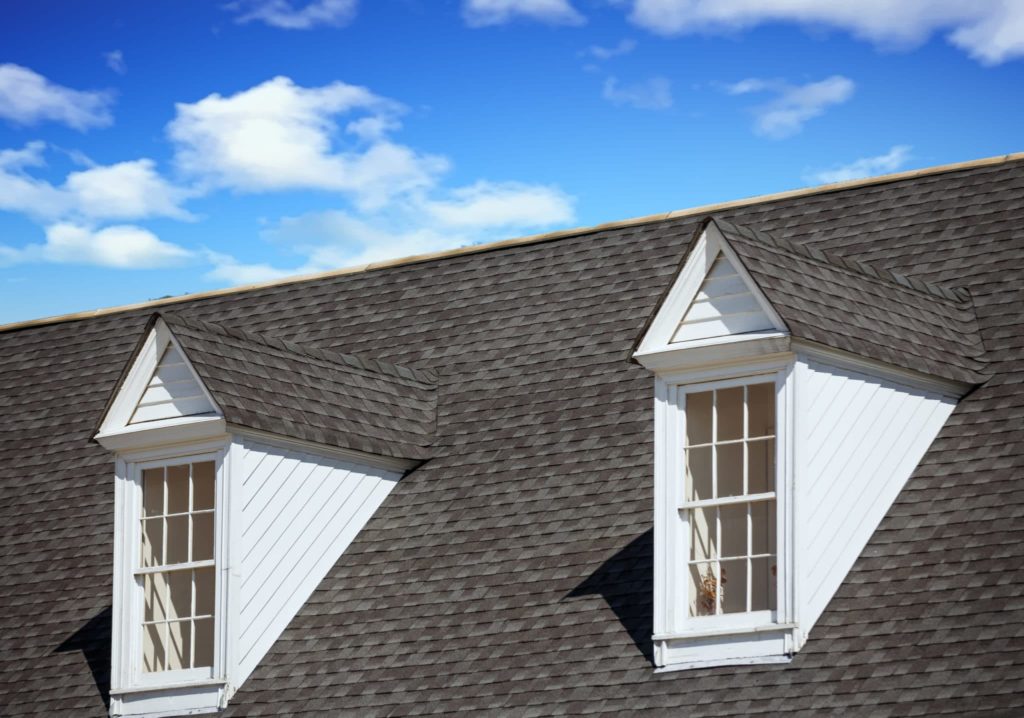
{"type": "Point", "coordinates": [861, 438]}
{"type": "Point", "coordinates": [298, 513]}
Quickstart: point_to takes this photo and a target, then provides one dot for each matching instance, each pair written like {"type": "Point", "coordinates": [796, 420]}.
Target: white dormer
{"type": "Point", "coordinates": [221, 532]}
{"type": "Point", "coordinates": [776, 458]}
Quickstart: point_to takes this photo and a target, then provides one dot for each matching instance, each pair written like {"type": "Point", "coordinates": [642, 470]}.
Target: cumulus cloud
{"type": "Point", "coordinates": [115, 61]}
{"type": "Point", "coordinates": [652, 94]}
{"type": "Point", "coordinates": [793, 105]}
{"type": "Point", "coordinates": [990, 31]}
{"type": "Point", "coordinates": [279, 136]}
{"type": "Point", "coordinates": [28, 98]}
{"type": "Point", "coordinates": [289, 16]}
{"type": "Point", "coordinates": [896, 158]}
{"type": "Point", "coordinates": [483, 13]}
{"type": "Point", "coordinates": [117, 247]}
{"type": "Point", "coordinates": [126, 190]}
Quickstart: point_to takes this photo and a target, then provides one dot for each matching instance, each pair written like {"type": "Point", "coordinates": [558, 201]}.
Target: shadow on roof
{"type": "Point", "coordinates": [93, 640]}
{"type": "Point", "coordinates": [626, 582]}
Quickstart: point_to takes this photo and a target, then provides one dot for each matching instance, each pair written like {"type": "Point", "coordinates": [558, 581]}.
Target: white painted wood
{"type": "Point", "coordinates": [862, 437]}
{"type": "Point", "coordinates": [299, 513]}
{"type": "Point", "coordinates": [724, 305]}
{"type": "Point", "coordinates": [173, 391]}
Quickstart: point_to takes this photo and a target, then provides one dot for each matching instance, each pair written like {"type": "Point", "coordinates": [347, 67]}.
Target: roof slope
{"type": "Point", "coordinates": [855, 307]}
{"type": "Point", "coordinates": [511, 573]}
{"type": "Point", "coordinates": [306, 393]}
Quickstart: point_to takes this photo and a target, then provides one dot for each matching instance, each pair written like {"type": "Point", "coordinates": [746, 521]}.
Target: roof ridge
{"type": "Point", "coordinates": [955, 294]}
{"type": "Point", "coordinates": [354, 361]}
{"type": "Point", "coordinates": [533, 239]}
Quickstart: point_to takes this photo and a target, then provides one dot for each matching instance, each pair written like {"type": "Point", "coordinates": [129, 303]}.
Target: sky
{"type": "Point", "coordinates": [167, 147]}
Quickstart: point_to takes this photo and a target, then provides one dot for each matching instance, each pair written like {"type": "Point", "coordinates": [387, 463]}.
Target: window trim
{"type": "Point", "coordinates": [127, 675]}
{"type": "Point", "coordinates": [674, 628]}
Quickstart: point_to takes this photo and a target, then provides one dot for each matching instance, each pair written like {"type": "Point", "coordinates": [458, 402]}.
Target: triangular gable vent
{"type": "Point", "coordinates": [723, 306]}
{"type": "Point", "coordinates": [172, 392]}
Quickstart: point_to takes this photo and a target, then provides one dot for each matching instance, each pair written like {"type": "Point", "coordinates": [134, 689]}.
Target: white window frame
{"type": "Point", "coordinates": [127, 675]}
{"type": "Point", "coordinates": [681, 640]}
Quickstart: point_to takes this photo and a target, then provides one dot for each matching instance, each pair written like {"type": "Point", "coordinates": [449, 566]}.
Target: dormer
{"type": "Point", "coordinates": [795, 394]}
{"type": "Point", "coordinates": [244, 467]}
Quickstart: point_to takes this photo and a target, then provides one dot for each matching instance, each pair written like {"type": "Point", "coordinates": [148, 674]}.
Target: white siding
{"type": "Point", "coordinates": [862, 439]}
{"type": "Point", "coordinates": [173, 392]}
{"type": "Point", "coordinates": [299, 512]}
{"type": "Point", "coordinates": [724, 305]}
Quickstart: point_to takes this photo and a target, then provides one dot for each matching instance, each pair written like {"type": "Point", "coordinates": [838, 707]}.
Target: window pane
{"type": "Point", "coordinates": [734, 529]}
{"type": "Point", "coordinates": [763, 584]}
{"type": "Point", "coordinates": [202, 485]}
{"type": "Point", "coordinates": [180, 594]}
{"type": "Point", "coordinates": [762, 514]}
{"type": "Point", "coordinates": [734, 586]}
{"type": "Point", "coordinates": [761, 466]}
{"type": "Point", "coordinates": [702, 532]}
{"type": "Point", "coordinates": [177, 539]}
{"type": "Point", "coordinates": [730, 469]}
{"type": "Point", "coordinates": [204, 578]}
{"type": "Point", "coordinates": [703, 589]}
{"type": "Point", "coordinates": [152, 542]}
{"type": "Point", "coordinates": [177, 489]}
{"type": "Point", "coordinates": [152, 492]}
{"type": "Point", "coordinates": [179, 644]}
{"type": "Point", "coordinates": [202, 537]}
{"type": "Point", "coordinates": [153, 647]}
{"type": "Point", "coordinates": [761, 409]}
{"type": "Point", "coordinates": [154, 590]}
{"type": "Point", "coordinates": [204, 642]}
{"type": "Point", "coordinates": [698, 418]}
{"type": "Point", "coordinates": [730, 413]}
{"type": "Point", "coordinates": [698, 474]}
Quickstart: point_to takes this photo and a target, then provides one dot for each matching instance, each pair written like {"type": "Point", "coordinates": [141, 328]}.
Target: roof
{"type": "Point", "coordinates": [302, 392]}
{"type": "Point", "coordinates": [855, 307]}
{"type": "Point", "coordinates": [511, 573]}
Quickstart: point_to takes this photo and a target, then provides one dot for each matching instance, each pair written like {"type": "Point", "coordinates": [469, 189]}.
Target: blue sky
{"type": "Point", "coordinates": [158, 148]}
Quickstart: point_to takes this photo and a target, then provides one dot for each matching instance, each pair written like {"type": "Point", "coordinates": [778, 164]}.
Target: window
{"type": "Point", "coordinates": [729, 501]}
{"type": "Point", "coordinates": [176, 569]}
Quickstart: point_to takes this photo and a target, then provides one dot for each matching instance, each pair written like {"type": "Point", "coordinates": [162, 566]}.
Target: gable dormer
{"type": "Point", "coordinates": [245, 467]}
{"type": "Point", "coordinates": [795, 394]}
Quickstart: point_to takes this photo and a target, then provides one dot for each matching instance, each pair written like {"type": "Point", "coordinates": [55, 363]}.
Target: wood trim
{"type": "Point", "coordinates": [530, 239]}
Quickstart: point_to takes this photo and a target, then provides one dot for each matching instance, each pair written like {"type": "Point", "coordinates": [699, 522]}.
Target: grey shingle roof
{"type": "Point", "coordinates": [853, 306]}
{"type": "Point", "coordinates": [511, 573]}
{"type": "Point", "coordinates": [307, 393]}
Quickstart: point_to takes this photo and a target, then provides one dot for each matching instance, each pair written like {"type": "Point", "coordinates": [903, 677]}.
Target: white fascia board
{"type": "Point", "coordinates": [173, 700]}
{"type": "Point", "coordinates": [702, 257]}
{"type": "Point", "coordinates": [134, 385]}
{"type": "Point", "coordinates": [388, 463]}
{"type": "Point", "coordinates": [719, 351]}
{"type": "Point", "coordinates": [882, 370]}
{"type": "Point", "coordinates": [167, 432]}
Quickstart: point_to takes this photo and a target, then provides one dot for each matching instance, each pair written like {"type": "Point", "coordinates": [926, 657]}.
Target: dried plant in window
{"type": "Point", "coordinates": [707, 593]}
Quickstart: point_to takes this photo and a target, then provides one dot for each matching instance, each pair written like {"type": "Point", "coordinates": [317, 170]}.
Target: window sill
{"type": "Point", "coordinates": [713, 632]}
{"type": "Point", "coordinates": [156, 687]}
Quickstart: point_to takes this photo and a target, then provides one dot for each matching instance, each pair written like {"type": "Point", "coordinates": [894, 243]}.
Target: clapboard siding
{"type": "Point", "coordinates": [863, 438]}
{"type": "Point", "coordinates": [724, 305]}
{"type": "Point", "coordinates": [299, 514]}
{"type": "Point", "coordinates": [172, 392]}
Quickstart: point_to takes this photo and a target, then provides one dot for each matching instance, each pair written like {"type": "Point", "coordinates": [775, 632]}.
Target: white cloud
{"type": "Point", "coordinates": [793, 105]}
{"type": "Point", "coordinates": [990, 31]}
{"type": "Point", "coordinates": [891, 161]}
{"type": "Point", "coordinates": [27, 98]}
{"type": "Point", "coordinates": [278, 136]}
{"type": "Point", "coordinates": [483, 13]}
{"type": "Point", "coordinates": [115, 61]}
{"type": "Point", "coordinates": [652, 94]}
{"type": "Point", "coordinates": [126, 190]}
{"type": "Point", "coordinates": [117, 247]}
{"type": "Point", "coordinates": [228, 270]}
{"type": "Point", "coordinates": [487, 205]}
{"type": "Point", "coordinates": [600, 52]}
{"type": "Point", "coordinates": [286, 15]}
